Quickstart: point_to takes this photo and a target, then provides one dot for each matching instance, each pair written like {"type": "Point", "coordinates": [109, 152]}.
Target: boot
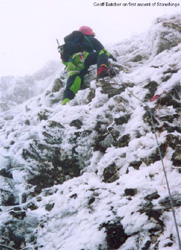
{"type": "Point", "coordinates": [102, 71]}
{"type": "Point", "coordinates": [111, 71]}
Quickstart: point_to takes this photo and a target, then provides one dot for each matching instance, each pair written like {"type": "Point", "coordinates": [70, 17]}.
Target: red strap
{"type": "Point", "coordinates": [154, 98]}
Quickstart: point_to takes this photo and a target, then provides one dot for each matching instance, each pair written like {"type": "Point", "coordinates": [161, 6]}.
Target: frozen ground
{"type": "Point", "coordinates": [88, 175]}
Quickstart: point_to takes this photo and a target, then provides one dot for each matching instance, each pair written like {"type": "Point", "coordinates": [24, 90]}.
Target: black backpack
{"type": "Point", "coordinates": [72, 45]}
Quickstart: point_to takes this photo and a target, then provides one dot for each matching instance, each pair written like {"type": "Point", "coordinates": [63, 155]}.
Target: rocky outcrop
{"type": "Point", "coordinates": [170, 34]}
{"type": "Point", "coordinates": [88, 175]}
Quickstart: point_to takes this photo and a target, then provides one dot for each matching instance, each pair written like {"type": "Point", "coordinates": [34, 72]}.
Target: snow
{"type": "Point", "coordinates": [74, 222]}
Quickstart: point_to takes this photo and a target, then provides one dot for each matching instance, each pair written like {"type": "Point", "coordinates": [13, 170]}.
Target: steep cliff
{"type": "Point", "coordinates": [88, 175]}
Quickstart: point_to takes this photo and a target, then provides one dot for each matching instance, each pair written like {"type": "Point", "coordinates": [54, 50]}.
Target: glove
{"type": "Point", "coordinates": [113, 58]}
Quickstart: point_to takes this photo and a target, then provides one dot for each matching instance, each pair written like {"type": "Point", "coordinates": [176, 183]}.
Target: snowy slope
{"type": "Point", "coordinates": [88, 175]}
{"type": "Point", "coordinates": [16, 90]}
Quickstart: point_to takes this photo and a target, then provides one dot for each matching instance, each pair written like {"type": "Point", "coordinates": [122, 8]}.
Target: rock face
{"type": "Point", "coordinates": [169, 37]}
{"type": "Point", "coordinates": [88, 175]}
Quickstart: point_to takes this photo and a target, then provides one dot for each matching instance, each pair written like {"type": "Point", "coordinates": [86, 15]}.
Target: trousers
{"type": "Point", "coordinates": [75, 80]}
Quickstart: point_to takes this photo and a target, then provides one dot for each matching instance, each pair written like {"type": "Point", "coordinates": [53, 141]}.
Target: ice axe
{"type": "Point", "coordinates": [59, 47]}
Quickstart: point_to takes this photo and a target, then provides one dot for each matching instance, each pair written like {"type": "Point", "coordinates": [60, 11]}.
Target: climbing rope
{"type": "Point", "coordinates": [161, 158]}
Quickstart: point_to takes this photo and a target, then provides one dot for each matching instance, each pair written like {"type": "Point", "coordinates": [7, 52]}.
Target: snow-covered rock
{"type": "Point", "coordinates": [16, 90]}
{"type": "Point", "coordinates": [88, 175]}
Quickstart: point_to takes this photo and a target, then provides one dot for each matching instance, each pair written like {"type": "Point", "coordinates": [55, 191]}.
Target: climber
{"type": "Point", "coordinates": [80, 51]}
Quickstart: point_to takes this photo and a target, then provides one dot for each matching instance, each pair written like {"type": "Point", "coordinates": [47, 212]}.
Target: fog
{"type": "Point", "coordinates": [29, 28]}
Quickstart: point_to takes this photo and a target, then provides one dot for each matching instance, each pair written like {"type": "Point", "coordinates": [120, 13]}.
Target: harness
{"type": "Point", "coordinates": [76, 63]}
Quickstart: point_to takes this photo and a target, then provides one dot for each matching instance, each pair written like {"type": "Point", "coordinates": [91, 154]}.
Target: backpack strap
{"type": "Point", "coordinates": [89, 42]}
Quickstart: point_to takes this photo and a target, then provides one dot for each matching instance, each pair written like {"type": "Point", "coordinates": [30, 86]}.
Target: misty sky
{"type": "Point", "coordinates": [29, 28]}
